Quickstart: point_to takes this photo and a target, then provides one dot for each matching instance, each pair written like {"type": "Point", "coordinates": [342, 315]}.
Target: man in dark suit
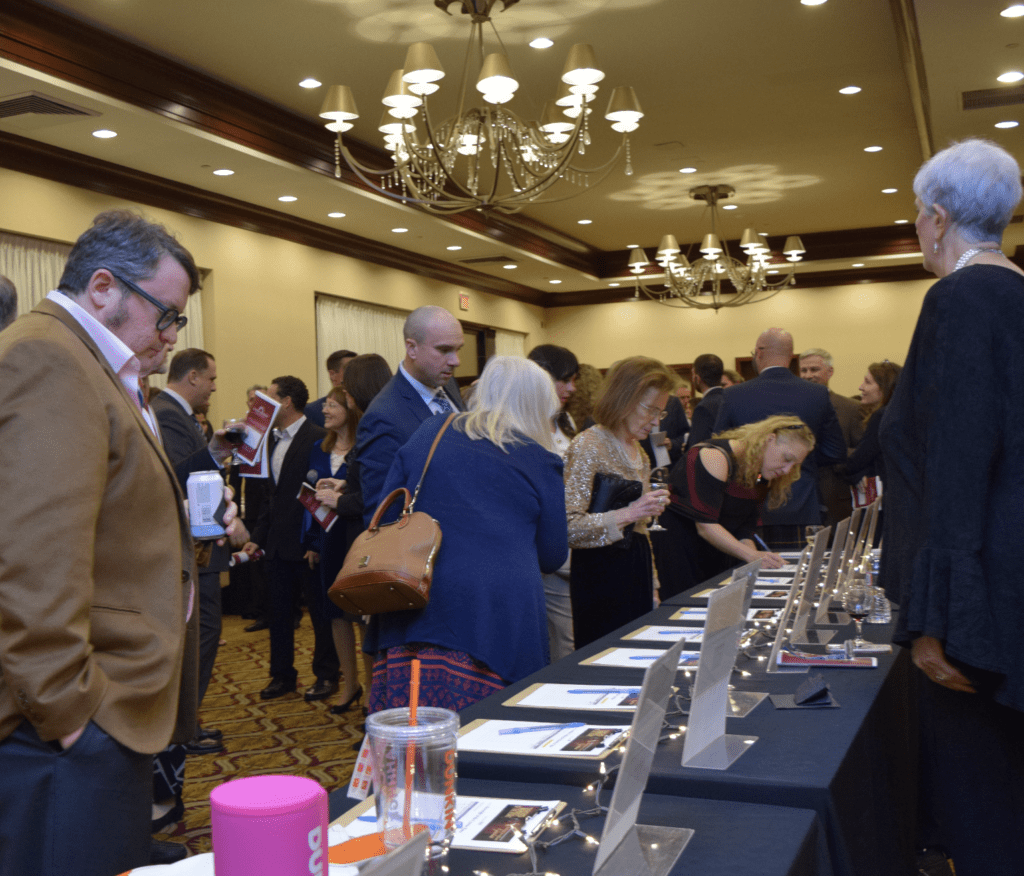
{"type": "Point", "coordinates": [423, 386]}
{"type": "Point", "coordinates": [279, 533]}
{"type": "Point", "coordinates": [336, 363]}
{"type": "Point", "coordinates": [777, 390]}
{"type": "Point", "coordinates": [707, 377]}
{"type": "Point", "coordinates": [816, 367]}
{"type": "Point", "coordinates": [97, 644]}
{"type": "Point", "coordinates": [191, 380]}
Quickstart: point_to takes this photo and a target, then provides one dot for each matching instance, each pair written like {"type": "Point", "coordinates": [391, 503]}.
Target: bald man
{"type": "Point", "coordinates": [777, 390]}
{"type": "Point", "coordinates": [423, 386]}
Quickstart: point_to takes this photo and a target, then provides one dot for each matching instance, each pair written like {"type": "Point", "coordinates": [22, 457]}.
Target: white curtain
{"type": "Point", "coordinates": [342, 324]}
{"type": "Point", "coordinates": [35, 266]}
{"type": "Point", "coordinates": [509, 343]}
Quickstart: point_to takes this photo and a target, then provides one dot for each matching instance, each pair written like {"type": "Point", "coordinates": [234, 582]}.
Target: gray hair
{"type": "Point", "coordinates": [125, 244]}
{"type": "Point", "coordinates": [825, 355]}
{"type": "Point", "coordinates": [977, 182]}
{"type": "Point", "coordinates": [8, 302]}
{"type": "Point", "coordinates": [514, 399]}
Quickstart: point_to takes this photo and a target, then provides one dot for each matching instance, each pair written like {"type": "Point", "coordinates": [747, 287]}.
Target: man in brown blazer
{"type": "Point", "coordinates": [97, 601]}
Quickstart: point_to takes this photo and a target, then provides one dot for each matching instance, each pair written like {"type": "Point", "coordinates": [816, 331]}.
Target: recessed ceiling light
{"type": "Point", "coordinates": [335, 215]}
{"type": "Point", "coordinates": [541, 43]}
{"type": "Point", "coordinates": [104, 134]}
{"type": "Point", "coordinates": [510, 267]}
{"type": "Point", "coordinates": [1007, 124]}
{"type": "Point", "coordinates": [399, 230]}
{"type": "Point", "coordinates": [872, 148]}
{"type": "Point", "coordinates": [811, 2]}
{"type": "Point", "coordinates": [632, 246]}
{"type": "Point", "coordinates": [310, 83]}
{"type": "Point", "coordinates": [730, 207]}
{"type": "Point", "coordinates": [902, 221]}
{"type": "Point", "coordinates": [288, 198]}
{"type": "Point", "coordinates": [584, 221]}
{"type": "Point", "coordinates": [1015, 11]}
{"type": "Point", "coordinates": [454, 248]}
{"type": "Point", "coordinates": [1011, 76]}
{"type": "Point", "coordinates": [687, 169]}
{"type": "Point", "coordinates": [889, 191]}
{"type": "Point", "coordinates": [850, 89]}
{"type": "Point", "coordinates": [224, 172]}
{"type": "Point", "coordinates": [857, 265]}
{"type": "Point", "coordinates": [614, 284]}
{"type": "Point", "coordinates": [554, 282]}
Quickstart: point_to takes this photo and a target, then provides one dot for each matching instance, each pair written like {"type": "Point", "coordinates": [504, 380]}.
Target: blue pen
{"type": "Point", "coordinates": [644, 657]}
{"type": "Point", "coordinates": [676, 632]}
{"type": "Point", "coordinates": [608, 690]}
{"type": "Point", "coordinates": [515, 731]}
{"type": "Point", "coordinates": [764, 547]}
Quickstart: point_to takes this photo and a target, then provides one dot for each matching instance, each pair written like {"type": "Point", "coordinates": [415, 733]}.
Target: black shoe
{"type": "Point", "coordinates": [277, 689]}
{"type": "Point", "coordinates": [256, 626]}
{"type": "Point", "coordinates": [204, 746]}
{"type": "Point", "coordinates": [298, 622]}
{"type": "Point", "coordinates": [171, 816]}
{"type": "Point", "coordinates": [321, 690]}
{"type": "Point", "coordinates": [161, 852]}
{"type": "Point", "coordinates": [341, 708]}
{"type": "Point", "coordinates": [207, 733]}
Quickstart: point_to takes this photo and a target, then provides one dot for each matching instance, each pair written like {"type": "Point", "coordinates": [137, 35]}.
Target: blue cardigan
{"type": "Point", "coordinates": [503, 523]}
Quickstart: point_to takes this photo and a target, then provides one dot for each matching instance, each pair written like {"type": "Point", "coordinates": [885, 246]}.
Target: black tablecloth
{"type": "Point", "coordinates": [730, 839]}
{"type": "Point", "coordinates": [852, 765]}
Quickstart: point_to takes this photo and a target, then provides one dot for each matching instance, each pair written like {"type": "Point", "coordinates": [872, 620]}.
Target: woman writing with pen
{"type": "Point", "coordinates": [718, 490]}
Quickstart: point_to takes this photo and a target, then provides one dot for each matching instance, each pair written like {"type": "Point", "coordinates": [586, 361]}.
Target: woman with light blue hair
{"type": "Point", "coordinates": [953, 441]}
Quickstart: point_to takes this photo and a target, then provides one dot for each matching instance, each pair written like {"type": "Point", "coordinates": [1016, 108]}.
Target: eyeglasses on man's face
{"type": "Point", "coordinates": [168, 315]}
{"type": "Point", "coordinates": [652, 412]}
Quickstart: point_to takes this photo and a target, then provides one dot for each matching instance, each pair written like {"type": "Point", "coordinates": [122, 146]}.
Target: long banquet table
{"type": "Point", "coordinates": [851, 765]}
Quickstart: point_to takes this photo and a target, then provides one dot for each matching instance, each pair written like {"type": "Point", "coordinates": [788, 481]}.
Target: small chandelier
{"type": "Point", "coordinates": [700, 284]}
{"type": "Point", "coordinates": [483, 157]}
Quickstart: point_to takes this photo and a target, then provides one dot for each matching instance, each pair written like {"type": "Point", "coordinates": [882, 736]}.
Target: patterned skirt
{"type": "Point", "coordinates": [448, 679]}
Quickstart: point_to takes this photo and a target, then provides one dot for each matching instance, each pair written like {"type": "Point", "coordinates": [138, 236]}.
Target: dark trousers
{"type": "Point", "coordinates": [284, 578]}
{"type": "Point", "coordinates": [209, 627]}
{"type": "Point", "coordinates": [85, 810]}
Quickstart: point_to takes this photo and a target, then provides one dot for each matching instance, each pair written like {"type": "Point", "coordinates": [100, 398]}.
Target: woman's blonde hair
{"type": "Point", "coordinates": [752, 439]}
{"type": "Point", "coordinates": [515, 399]}
{"type": "Point", "coordinates": [625, 384]}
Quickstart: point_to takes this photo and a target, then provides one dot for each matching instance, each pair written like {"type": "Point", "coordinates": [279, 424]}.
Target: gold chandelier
{"type": "Point", "coordinates": [702, 283]}
{"type": "Point", "coordinates": [483, 157]}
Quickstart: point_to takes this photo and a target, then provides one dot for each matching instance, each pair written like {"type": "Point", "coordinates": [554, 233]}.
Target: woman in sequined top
{"type": "Point", "coordinates": [612, 575]}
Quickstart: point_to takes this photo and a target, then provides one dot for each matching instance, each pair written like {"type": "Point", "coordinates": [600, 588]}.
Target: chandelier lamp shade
{"type": "Point", "coordinates": [484, 156]}
{"type": "Point", "coordinates": [716, 279]}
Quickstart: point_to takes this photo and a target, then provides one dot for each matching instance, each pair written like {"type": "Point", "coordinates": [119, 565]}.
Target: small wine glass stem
{"type": "Point", "coordinates": [860, 631]}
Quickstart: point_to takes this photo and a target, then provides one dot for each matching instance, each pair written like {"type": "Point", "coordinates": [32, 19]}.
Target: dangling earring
{"type": "Point", "coordinates": [935, 246]}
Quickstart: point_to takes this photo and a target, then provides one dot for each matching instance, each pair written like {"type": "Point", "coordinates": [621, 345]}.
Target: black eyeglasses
{"type": "Point", "coordinates": [168, 315]}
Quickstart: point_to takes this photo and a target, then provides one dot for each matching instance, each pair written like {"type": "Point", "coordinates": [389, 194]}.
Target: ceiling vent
{"type": "Point", "coordinates": [489, 260]}
{"type": "Point", "coordinates": [31, 110]}
{"type": "Point", "coordinates": [986, 98]}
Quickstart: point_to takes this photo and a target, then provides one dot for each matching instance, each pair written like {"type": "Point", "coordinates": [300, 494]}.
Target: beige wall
{"type": "Point", "coordinates": [258, 302]}
{"type": "Point", "coordinates": [857, 324]}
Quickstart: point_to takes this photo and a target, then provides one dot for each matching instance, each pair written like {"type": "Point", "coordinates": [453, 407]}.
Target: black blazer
{"type": "Point", "coordinates": [705, 415]}
{"type": "Point", "coordinates": [180, 436]}
{"type": "Point", "coordinates": [780, 391]}
{"type": "Point", "coordinates": [279, 528]}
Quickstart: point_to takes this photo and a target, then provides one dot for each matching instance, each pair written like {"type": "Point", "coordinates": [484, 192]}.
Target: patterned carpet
{"type": "Point", "coordinates": [286, 735]}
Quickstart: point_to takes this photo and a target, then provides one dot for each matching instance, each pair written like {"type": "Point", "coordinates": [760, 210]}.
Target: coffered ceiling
{"type": "Point", "coordinates": [744, 91]}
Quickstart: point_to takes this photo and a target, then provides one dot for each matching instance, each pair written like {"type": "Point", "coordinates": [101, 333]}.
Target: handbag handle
{"type": "Point", "coordinates": [408, 508]}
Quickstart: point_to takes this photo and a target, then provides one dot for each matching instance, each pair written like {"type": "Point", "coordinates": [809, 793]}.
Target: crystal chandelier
{"type": "Point", "coordinates": [483, 157]}
{"type": "Point", "coordinates": [700, 284]}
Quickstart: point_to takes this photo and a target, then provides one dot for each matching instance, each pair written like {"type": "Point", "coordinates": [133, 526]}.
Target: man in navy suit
{"type": "Point", "coordinates": [707, 377]}
{"type": "Point", "coordinates": [279, 532]}
{"type": "Point", "coordinates": [777, 390]}
{"type": "Point", "coordinates": [423, 386]}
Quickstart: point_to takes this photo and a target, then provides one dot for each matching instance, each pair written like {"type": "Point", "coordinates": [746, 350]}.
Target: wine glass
{"type": "Point", "coordinates": [657, 485]}
{"type": "Point", "coordinates": [858, 600]}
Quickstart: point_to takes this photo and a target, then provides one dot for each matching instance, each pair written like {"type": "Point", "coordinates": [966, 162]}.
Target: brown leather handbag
{"type": "Point", "coordinates": [390, 567]}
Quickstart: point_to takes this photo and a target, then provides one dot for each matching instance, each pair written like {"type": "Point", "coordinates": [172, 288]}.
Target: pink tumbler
{"type": "Point", "coordinates": [269, 826]}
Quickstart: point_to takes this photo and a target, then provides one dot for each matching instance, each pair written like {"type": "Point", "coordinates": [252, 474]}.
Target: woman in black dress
{"type": "Point", "coordinates": [718, 490]}
{"type": "Point", "coordinates": [876, 390]}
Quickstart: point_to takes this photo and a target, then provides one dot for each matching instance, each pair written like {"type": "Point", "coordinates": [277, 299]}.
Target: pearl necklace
{"type": "Point", "coordinates": [971, 253]}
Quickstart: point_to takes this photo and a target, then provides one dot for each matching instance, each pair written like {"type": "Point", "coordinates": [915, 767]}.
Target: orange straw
{"type": "Point", "coordinates": [410, 748]}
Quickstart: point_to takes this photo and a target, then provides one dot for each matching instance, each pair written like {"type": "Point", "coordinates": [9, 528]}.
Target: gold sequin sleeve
{"type": "Point", "coordinates": [589, 453]}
